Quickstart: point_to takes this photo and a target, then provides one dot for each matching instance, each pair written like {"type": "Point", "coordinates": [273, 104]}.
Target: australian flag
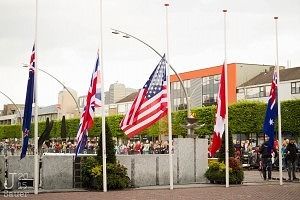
{"type": "Point", "coordinates": [272, 112]}
{"type": "Point", "coordinates": [28, 105]}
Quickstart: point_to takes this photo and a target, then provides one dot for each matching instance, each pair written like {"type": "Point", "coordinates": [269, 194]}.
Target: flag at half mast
{"type": "Point", "coordinates": [220, 117]}
{"type": "Point", "coordinates": [87, 116]}
{"type": "Point", "coordinates": [149, 105]}
{"type": "Point", "coordinates": [271, 112]}
{"type": "Point", "coordinates": [28, 105]}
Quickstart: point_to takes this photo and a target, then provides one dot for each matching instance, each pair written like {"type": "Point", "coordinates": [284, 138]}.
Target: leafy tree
{"type": "Point", "coordinates": [221, 153]}
{"type": "Point", "coordinates": [110, 147]}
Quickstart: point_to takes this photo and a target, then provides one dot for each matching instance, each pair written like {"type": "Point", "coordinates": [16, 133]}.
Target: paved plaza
{"type": "Point", "coordinates": [273, 191]}
{"type": "Point", "coordinates": [252, 188]}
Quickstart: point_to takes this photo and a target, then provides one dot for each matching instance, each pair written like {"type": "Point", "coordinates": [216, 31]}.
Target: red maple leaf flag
{"type": "Point", "coordinates": [220, 117]}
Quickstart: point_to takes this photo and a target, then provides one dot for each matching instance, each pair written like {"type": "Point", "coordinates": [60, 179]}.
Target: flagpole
{"type": "Point", "coordinates": [279, 107]}
{"type": "Point", "coordinates": [169, 102]}
{"type": "Point", "coordinates": [36, 160]}
{"type": "Point", "coordinates": [226, 102]}
{"type": "Point", "coordinates": [103, 105]}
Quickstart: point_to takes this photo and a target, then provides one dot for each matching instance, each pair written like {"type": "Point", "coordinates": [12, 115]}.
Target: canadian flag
{"type": "Point", "coordinates": [216, 141]}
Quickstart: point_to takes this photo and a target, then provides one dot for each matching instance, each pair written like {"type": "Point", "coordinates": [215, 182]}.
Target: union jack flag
{"type": "Point", "coordinates": [86, 120]}
{"type": "Point", "coordinates": [272, 112]}
{"type": "Point", "coordinates": [149, 105]}
{"type": "Point", "coordinates": [28, 105]}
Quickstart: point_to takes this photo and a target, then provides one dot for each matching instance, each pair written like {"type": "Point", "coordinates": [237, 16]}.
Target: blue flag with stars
{"type": "Point", "coordinates": [28, 105]}
{"type": "Point", "coordinates": [272, 112]}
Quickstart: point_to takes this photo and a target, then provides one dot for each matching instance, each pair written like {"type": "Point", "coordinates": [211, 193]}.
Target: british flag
{"type": "Point", "coordinates": [149, 105]}
{"type": "Point", "coordinates": [86, 120]}
{"type": "Point", "coordinates": [28, 105]}
{"type": "Point", "coordinates": [272, 112]}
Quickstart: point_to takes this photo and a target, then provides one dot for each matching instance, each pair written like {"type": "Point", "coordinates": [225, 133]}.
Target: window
{"type": "Point", "coordinates": [176, 102]}
{"type": "Point", "coordinates": [187, 83]}
{"type": "Point", "coordinates": [205, 80]}
{"type": "Point", "coordinates": [262, 91]}
{"type": "Point", "coordinates": [121, 108]}
{"type": "Point", "coordinates": [295, 87]}
{"type": "Point", "coordinates": [176, 85]}
{"type": "Point", "coordinates": [217, 79]}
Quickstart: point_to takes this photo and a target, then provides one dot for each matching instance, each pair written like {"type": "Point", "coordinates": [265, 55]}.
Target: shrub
{"type": "Point", "coordinates": [92, 175]}
{"type": "Point", "coordinates": [216, 173]}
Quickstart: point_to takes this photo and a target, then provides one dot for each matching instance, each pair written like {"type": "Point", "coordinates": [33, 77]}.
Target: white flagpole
{"type": "Point", "coordinates": [103, 105]}
{"type": "Point", "coordinates": [279, 107]}
{"type": "Point", "coordinates": [226, 102]}
{"type": "Point", "coordinates": [36, 159]}
{"type": "Point", "coordinates": [169, 102]}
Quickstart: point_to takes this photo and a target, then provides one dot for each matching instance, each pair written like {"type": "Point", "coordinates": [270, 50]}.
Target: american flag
{"type": "Point", "coordinates": [220, 117]}
{"type": "Point", "coordinates": [271, 112]}
{"type": "Point", "coordinates": [28, 105]}
{"type": "Point", "coordinates": [86, 120]}
{"type": "Point", "coordinates": [150, 104]}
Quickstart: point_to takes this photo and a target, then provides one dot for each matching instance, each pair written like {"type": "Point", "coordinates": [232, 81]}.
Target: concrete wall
{"type": "Point", "coordinates": [57, 172]}
{"type": "Point", "coordinates": [2, 172]}
{"type": "Point", "coordinates": [189, 165]}
{"type": "Point", "coordinates": [19, 169]}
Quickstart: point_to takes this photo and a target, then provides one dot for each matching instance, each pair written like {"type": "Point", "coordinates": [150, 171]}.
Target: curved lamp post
{"type": "Point", "coordinates": [127, 35]}
{"type": "Point", "coordinates": [25, 65]}
{"type": "Point", "coordinates": [14, 105]}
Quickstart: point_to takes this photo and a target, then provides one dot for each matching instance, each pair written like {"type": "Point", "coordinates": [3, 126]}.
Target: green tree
{"type": "Point", "coordinates": [110, 147]}
{"type": "Point", "coordinates": [221, 153]}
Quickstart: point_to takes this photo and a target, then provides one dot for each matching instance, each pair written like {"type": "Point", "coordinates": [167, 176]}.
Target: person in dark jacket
{"type": "Point", "coordinates": [291, 158]}
{"type": "Point", "coordinates": [266, 158]}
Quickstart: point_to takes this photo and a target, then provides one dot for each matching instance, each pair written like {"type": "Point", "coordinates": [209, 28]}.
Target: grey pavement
{"type": "Point", "coordinates": [253, 188]}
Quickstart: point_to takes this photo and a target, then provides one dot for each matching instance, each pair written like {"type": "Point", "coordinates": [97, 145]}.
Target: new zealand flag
{"type": "Point", "coordinates": [28, 105]}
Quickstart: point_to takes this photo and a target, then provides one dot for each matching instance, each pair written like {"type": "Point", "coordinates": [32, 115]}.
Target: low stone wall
{"type": "Point", "coordinates": [189, 164]}
{"type": "Point", "coordinates": [19, 169]}
{"type": "Point", "coordinates": [2, 172]}
{"type": "Point", "coordinates": [57, 171]}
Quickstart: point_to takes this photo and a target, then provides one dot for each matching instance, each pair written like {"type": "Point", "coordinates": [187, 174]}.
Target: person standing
{"type": "Point", "coordinates": [291, 158]}
{"type": "Point", "coordinates": [266, 158]}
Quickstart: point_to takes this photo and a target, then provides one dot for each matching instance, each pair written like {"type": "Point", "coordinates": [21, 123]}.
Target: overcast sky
{"type": "Point", "coordinates": [68, 39]}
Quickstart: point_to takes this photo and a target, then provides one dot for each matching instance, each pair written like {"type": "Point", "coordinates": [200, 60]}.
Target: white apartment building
{"type": "Point", "coordinates": [258, 88]}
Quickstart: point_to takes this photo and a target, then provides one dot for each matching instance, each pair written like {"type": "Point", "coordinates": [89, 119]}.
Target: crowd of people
{"type": "Point", "coordinates": [267, 159]}
{"type": "Point", "coordinates": [13, 147]}
{"type": "Point", "coordinates": [138, 147]}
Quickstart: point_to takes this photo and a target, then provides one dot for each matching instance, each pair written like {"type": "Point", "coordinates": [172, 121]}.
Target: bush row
{"type": "Point", "coordinates": [245, 117]}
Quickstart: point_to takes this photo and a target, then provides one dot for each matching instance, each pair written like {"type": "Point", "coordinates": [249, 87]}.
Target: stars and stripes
{"type": "Point", "coordinates": [271, 112]}
{"type": "Point", "coordinates": [150, 104]}
{"type": "Point", "coordinates": [86, 120]}
{"type": "Point", "coordinates": [28, 105]}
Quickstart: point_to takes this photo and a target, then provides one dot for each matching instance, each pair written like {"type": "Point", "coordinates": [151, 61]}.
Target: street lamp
{"type": "Point", "coordinates": [14, 105]}
{"type": "Point", "coordinates": [127, 35]}
{"type": "Point", "coordinates": [26, 65]}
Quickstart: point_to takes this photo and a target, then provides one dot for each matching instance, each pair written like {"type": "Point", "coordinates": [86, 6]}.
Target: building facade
{"type": "Point", "coordinates": [202, 85]}
{"type": "Point", "coordinates": [258, 88]}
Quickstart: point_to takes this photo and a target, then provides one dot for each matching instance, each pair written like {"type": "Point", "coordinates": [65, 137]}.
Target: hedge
{"type": "Point", "coordinates": [245, 117]}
